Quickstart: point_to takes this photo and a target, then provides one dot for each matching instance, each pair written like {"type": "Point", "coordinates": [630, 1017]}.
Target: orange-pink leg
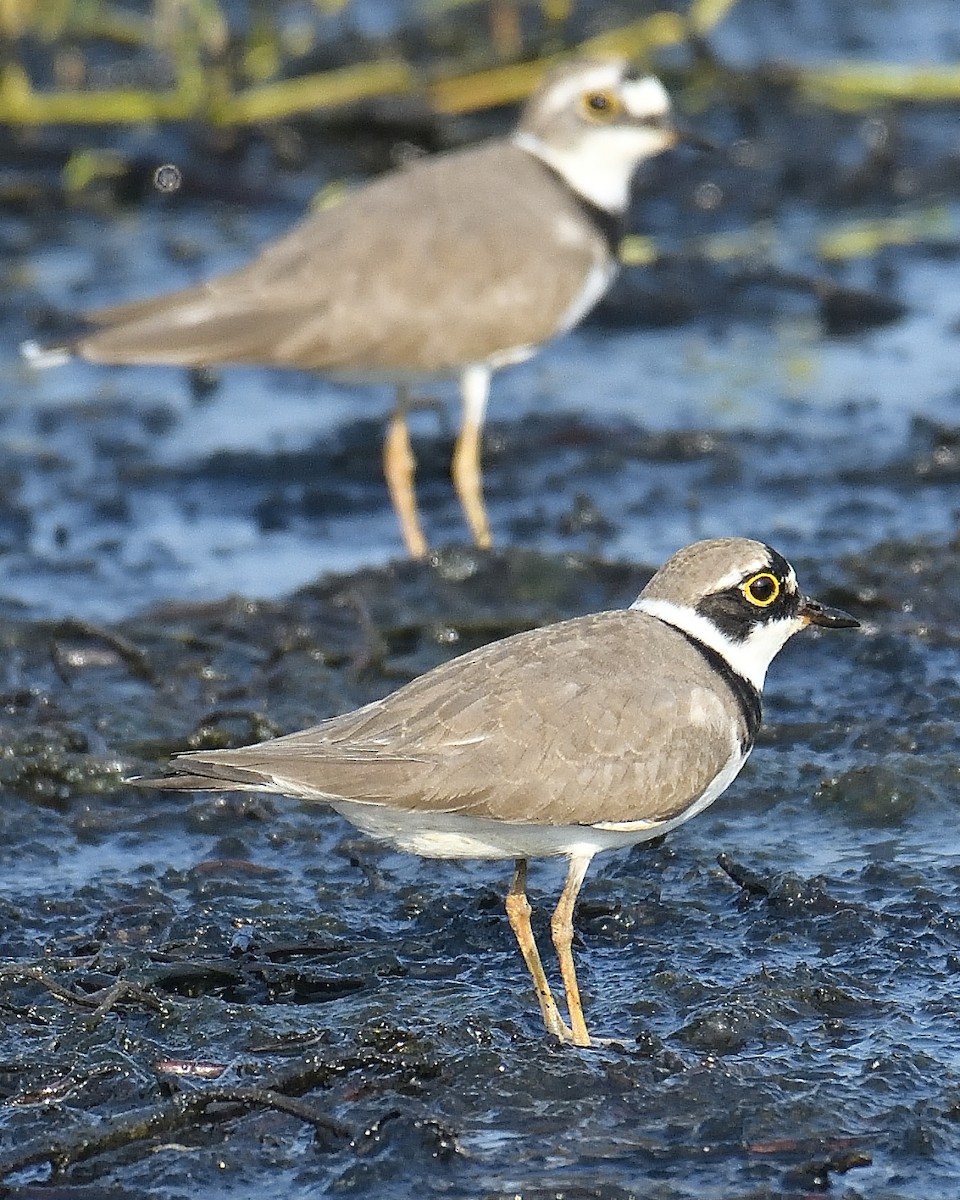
{"type": "Point", "coordinates": [518, 914]}
{"type": "Point", "coordinates": [465, 468]}
{"type": "Point", "coordinates": [399, 468]}
{"type": "Point", "coordinates": [561, 927]}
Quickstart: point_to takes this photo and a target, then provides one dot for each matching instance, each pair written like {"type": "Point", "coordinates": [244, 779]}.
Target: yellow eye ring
{"type": "Point", "coordinates": [762, 589]}
{"type": "Point", "coordinates": [601, 106]}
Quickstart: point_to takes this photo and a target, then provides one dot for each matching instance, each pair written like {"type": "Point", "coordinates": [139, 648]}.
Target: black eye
{"type": "Point", "coordinates": [598, 101]}
{"type": "Point", "coordinates": [762, 589]}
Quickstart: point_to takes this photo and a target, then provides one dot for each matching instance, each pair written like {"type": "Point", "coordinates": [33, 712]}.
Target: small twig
{"type": "Point", "coordinates": [162, 1119]}
{"type": "Point", "coordinates": [136, 661]}
{"type": "Point", "coordinates": [101, 1001]}
{"type": "Point", "coordinates": [122, 990]}
{"type": "Point", "coordinates": [53, 987]}
{"type": "Point", "coordinates": [748, 880]}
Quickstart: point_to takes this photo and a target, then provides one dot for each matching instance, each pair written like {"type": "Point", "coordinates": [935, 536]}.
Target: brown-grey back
{"type": "Point", "coordinates": [607, 718]}
{"type": "Point", "coordinates": [487, 239]}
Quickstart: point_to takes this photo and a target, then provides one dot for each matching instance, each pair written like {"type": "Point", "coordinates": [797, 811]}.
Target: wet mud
{"type": "Point", "coordinates": [226, 989]}
{"type": "Point", "coordinates": [228, 994]}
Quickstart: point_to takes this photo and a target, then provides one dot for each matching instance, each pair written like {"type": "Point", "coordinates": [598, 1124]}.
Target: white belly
{"type": "Point", "coordinates": [450, 835]}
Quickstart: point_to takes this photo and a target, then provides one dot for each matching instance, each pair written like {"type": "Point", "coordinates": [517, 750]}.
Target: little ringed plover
{"type": "Point", "coordinates": [583, 736]}
{"type": "Point", "coordinates": [451, 267]}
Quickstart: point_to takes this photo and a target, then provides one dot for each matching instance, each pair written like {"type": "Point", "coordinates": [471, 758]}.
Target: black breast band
{"type": "Point", "coordinates": [745, 694]}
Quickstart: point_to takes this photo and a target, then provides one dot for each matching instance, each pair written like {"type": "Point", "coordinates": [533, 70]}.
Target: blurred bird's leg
{"type": "Point", "coordinates": [467, 478]}
{"type": "Point", "coordinates": [518, 914]}
{"type": "Point", "coordinates": [399, 467]}
{"type": "Point", "coordinates": [561, 926]}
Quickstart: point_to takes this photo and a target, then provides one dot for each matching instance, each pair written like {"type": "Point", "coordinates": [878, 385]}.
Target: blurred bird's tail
{"type": "Point", "coordinates": [41, 356]}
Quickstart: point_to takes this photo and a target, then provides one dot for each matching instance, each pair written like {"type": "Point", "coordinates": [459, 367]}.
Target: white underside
{"type": "Point", "coordinates": [451, 835]}
{"type": "Point", "coordinates": [601, 276]}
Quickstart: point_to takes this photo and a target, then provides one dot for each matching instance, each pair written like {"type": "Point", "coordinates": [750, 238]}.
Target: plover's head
{"type": "Point", "coordinates": [739, 597]}
{"type": "Point", "coordinates": [594, 122]}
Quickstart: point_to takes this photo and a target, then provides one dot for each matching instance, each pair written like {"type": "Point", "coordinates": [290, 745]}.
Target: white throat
{"type": "Point", "coordinates": [749, 658]}
{"type": "Point", "coordinates": [589, 168]}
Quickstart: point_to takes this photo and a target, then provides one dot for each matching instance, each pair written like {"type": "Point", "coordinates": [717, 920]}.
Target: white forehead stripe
{"type": "Point", "coordinates": [739, 573]}
{"type": "Point", "coordinates": [564, 93]}
{"type": "Point", "coordinates": [645, 97]}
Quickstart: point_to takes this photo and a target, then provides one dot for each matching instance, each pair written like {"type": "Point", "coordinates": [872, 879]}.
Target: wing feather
{"type": "Point", "coordinates": [606, 718]}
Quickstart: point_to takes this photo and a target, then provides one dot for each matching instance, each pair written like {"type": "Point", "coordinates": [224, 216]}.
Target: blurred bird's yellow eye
{"type": "Point", "coordinates": [601, 106]}
{"type": "Point", "coordinates": [762, 589]}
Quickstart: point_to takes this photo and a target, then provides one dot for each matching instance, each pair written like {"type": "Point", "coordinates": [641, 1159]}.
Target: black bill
{"type": "Point", "coordinates": [830, 618]}
{"type": "Point", "coordinates": [690, 137]}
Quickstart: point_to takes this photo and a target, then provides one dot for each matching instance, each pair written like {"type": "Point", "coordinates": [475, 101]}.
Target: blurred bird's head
{"type": "Point", "coordinates": [594, 122]}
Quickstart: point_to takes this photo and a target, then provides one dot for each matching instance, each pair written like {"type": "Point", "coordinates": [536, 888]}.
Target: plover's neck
{"type": "Point", "coordinates": [599, 178]}
{"type": "Point", "coordinates": [748, 658]}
